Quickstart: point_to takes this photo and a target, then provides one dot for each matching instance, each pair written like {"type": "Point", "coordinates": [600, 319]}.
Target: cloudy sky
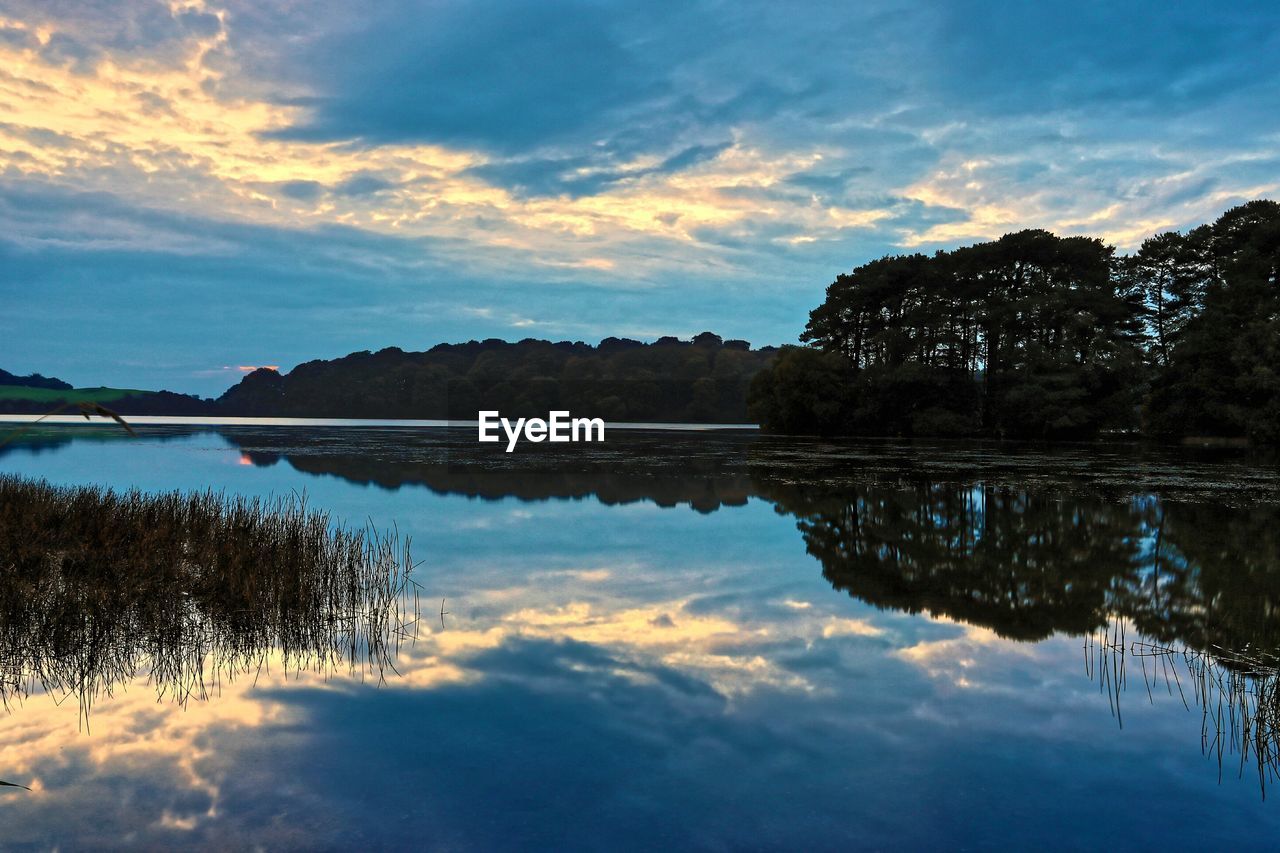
{"type": "Point", "coordinates": [187, 188]}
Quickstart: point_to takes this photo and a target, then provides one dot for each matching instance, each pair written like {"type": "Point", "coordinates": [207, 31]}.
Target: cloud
{"type": "Point", "coordinates": [65, 50]}
{"type": "Point", "coordinates": [363, 183]}
{"type": "Point", "coordinates": [470, 73]}
{"type": "Point", "coordinates": [590, 166]}
{"type": "Point", "coordinates": [301, 190]}
{"type": "Point", "coordinates": [1142, 55]}
{"type": "Point", "coordinates": [84, 33]}
{"type": "Point", "coordinates": [87, 266]}
{"type": "Point", "coordinates": [575, 177]}
{"type": "Point", "coordinates": [556, 85]}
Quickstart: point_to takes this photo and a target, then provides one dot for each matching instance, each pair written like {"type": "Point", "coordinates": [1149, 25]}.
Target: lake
{"type": "Point", "coordinates": [707, 640]}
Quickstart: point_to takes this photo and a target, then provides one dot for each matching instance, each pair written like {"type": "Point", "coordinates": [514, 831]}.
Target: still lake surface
{"type": "Point", "coordinates": [709, 641]}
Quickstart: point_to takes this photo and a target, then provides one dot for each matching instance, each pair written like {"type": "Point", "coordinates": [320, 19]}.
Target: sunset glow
{"type": "Point", "coordinates": [380, 183]}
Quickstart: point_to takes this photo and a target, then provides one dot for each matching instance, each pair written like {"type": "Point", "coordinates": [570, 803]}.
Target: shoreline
{"type": "Point", "coordinates": [217, 420]}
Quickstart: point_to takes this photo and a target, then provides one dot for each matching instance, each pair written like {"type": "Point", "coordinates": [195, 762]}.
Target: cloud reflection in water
{"type": "Point", "coordinates": [612, 669]}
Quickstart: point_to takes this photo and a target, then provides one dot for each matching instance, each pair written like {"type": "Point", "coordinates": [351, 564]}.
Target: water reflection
{"type": "Point", "coordinates": [190, 590]}
{"type": "Point", "coordinates": [1032, 562]}
{"type": "Point", "coordinates": [988, 537]}
{"type": "Point", "coordinates": [1188, 590]}
{"type": "Point", "coordinates": [1197, 581]}
{"type": "Point", "coordinates": [613, 667]}
{"type": "Point", "coordinates": [974, 542]}
{"type": "Point", "coordinates": [703, 472]}
{"type": "Point", "coordinates": [1236, 691]}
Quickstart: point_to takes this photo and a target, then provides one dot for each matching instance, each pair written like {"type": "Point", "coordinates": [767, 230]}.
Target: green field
{"type": "Point", "coordinates": [76, 395]}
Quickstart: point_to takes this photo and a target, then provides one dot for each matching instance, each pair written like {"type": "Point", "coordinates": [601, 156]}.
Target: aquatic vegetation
{"type": "Point", "coordinates": [1236, 690]}
{"type": "Point", "coordinates": [98, 586]}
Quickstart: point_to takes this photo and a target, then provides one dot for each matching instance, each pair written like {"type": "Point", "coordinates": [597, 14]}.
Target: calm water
{"type": "Point", "coordinates": [707, 641]}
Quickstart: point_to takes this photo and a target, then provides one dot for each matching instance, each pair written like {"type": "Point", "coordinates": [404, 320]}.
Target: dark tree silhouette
{"type": "Point", "coordinates": [620, 380]}
{"type": "Point", "coordinates": [1223, 373]}
{"type": "Point", "coordinates": [1040, 336]}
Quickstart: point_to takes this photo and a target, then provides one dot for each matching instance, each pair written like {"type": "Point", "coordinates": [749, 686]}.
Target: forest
{"type": "Point", "coordinates": [1030, 336]}
{"type": "Point", "coordinates": [700, 380]}
{"type": "Point", "coordinates": [1040, 336]}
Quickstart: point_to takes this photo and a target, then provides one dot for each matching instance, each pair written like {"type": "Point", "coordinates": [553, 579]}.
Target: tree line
{"type": "Point", "coordinates": [1036, 335]}
{"type": "Point", "coordinates": [699, 380]}
{"type": "Point", "coordinates": [33, 380]}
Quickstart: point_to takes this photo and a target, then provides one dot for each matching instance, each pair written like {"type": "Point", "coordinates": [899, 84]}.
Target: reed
{"type": "Point", "coordinates": [1236, 690]}
{"type": "Point", "coordinates": [99, 586]}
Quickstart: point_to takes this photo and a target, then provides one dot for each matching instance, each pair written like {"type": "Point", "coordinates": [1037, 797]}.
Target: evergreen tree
{"type": "Point", "coordinates": [1035, 335]}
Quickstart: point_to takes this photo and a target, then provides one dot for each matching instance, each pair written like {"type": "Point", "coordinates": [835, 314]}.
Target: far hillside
{"type": "Point", "coordinates": [35, 380]}
{"type": "Point", "coordinates": [700, 380]}
{"type": "Point", "coordinates": [86, 395]}
{"type": "Point", "coordinates": [38, 394]}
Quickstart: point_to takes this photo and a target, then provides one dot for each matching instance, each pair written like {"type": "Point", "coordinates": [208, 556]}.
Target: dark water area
{"type": "Point", "coordinates": [692, 641]}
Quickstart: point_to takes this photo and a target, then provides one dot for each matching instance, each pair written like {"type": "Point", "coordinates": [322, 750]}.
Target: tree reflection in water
{"type": "Point", "coordinates": [1187, 590]}
{"type": "Point", "coordinates": [1183, 550]}
{"type": "Point", "coordinates": [1030, 562]}
{"type": "Point", "coordinates": [1155, 555]}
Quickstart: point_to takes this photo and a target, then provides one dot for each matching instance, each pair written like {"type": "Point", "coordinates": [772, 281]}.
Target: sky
{"type": "Point", "coordinates": [190, 189]}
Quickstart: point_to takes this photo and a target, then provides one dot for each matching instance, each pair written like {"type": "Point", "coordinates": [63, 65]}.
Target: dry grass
{"type": "Point", "coordinates": [97, 586]}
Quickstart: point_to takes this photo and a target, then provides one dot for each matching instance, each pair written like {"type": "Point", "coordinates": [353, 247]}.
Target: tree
{"type": "Point", "coordinates": [1028, 335]}
{"type": "Point", "coordinates": [1223, 373]}
{"type": "Point", "coordinates": [803, 392]}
